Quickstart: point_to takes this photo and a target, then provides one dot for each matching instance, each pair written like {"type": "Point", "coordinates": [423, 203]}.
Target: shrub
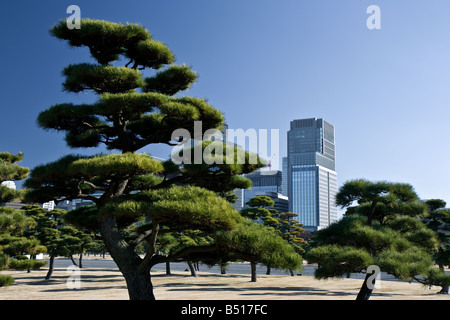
{"type": "Point", "coordinates": [26, 264]}
{"type": "Point", "coordinates": [4, 259]}
{"type": "Point", "coordinates": [6, 280]}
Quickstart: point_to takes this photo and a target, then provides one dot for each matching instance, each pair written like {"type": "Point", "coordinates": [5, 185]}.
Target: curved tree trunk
{"type": "Point", "coordinates": [365, 292]}
{"type": "Point", "coordinates": [50, 267]}
{"type": "Point", "coordinates": [192, 269]}
{"type": "Point", "coordinates": [137, 275]}
{"type": "Point", "coordinates": [139, 285]}
{"type": "Point", "coordinates": [73, 261]}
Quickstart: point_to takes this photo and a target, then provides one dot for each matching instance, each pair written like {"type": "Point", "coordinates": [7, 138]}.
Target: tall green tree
{"type": "Point", "coordinates": [14, 243]}
{"type": "Point", "coordinates": [291, 229]}
{"type": "Point", "coordinates": [141, 199]}
{"type": "Point", "coordinates": [439, 221]}
{"type": "Point", "coordinates": [257, 244]}
{"type": "Point", "coordinates": [10, 170]}
{"type": "Point", "coordinates": [383, 229]}
{"type": "Point", "coordinates": [58, 237]}
{"type": "Point", "coordinates": [260, 209]}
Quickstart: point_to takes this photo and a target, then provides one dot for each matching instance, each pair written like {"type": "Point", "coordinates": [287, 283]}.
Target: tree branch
{"type": "Point", "coordinates": [131, 60]}
{"type": "Point", "coordinates": [93, 186]}
{"type": "Point", "coordinates": [87, 197]}
{"type": "Point", "coordinates": [146, 262]}
{"type": "Point", "coordinates": [168, 183]}
{"type": "Point", "coordinates": [190, 253]}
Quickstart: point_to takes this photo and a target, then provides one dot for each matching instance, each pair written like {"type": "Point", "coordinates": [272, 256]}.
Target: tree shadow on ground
{"type": "Point", "coordinates": [265, 291]}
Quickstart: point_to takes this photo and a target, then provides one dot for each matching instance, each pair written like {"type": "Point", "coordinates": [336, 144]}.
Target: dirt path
{"type": "Point", "coordinates": [100, 284]}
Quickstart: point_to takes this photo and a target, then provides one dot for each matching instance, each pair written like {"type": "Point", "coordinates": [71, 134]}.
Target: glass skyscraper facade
{"type": "Point", "coordinates": [265, 183]}
{"type": "Point", "coordinates": [311, 173]}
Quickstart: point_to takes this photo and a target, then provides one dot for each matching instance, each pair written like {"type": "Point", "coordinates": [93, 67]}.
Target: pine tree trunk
{"type": "Point", "coordinates": [73, 261]}
{"type": "Point", "coordinates": [79, 261]}
{"type": "Point", "coordinates": [138, 279]}
{"type": "Point", "coordinates": [268, 271]}
{"type": "Point", "coordinates": [168, 268]}
{"type": "Point", "coordinates": [139, 286]}
{"type": "Point", "coordinates": [253, 269]}
{"type": "Point", "coordinates": [223, 269]}
{"type": "Point", "coordinates": [192, 269]}
{"type": "Point", "coordinates": [444, 289]}
{"type": "Point", "coordinates": [50, 267]}
{"type": "Point", "coordinates": [365, 292]}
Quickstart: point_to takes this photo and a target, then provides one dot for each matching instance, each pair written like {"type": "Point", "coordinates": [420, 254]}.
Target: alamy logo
{"type": "Point", "coordinates": [190, 149]}
{"type": "Point", "coordinates": [374, 280]}
{"type": "Point", "coordinates": [73, 281]}
{"type": "Point", "coordinates": [374, 20]}
{"type": "Point", "coordinates": [74, 21]}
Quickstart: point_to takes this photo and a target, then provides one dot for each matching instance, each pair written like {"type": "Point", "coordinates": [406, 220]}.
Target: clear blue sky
{"type": "Point", "coordinates": [264, 63]}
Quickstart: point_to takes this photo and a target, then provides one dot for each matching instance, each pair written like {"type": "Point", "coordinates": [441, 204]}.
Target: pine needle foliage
{"type": "Point", "coordinates": [161, 210]}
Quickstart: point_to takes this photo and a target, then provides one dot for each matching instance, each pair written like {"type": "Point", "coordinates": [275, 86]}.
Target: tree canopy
{"type": "Point", "coordinates": [10, 170]}
{"type": "Point", "coordinates": [383, 229]}
{"type": "Point", "coordinates": [439, 221]}
{"type": "Point", "coordinates": [137, 201]}
{"type": "Point", "coordinates": [14, 241]}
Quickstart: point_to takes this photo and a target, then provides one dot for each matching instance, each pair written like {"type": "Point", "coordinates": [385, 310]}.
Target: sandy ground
{"type": "Point", "coordinates": [101, 284]}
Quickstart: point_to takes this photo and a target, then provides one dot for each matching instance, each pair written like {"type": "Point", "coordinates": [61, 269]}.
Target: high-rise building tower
{"type": "Point", "coordinates": [284, 180]}
{"type": "Point", "coordinates": [311, 171]}
{"type": "Point", "coordinates": [264, 183]}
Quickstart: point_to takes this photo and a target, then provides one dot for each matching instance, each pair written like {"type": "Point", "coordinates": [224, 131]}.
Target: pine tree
{"type": "Point", "coordinates": [59, 238]}
{"type": "Point", "coordinates": [260, 209]}
{"type": "Point", "coordinates": [10, 170]}
{"type": "Point", "coordinates": [292, 230]}
{"type": "Point", "coordinates": [439, 221]}
{"type": "Point", "coordinates": [383, 229]}
{"type": "Point", "coordinates": [142, 200]}
{"type": "Point", "coordinates": [257, 244]}
{"type": "Point", "coordinates": [14, 244]}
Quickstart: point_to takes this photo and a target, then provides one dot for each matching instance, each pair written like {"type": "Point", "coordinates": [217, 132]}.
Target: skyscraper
{"type": "Point", "coordinates": [264, 183]}
{"type": "Point", "coordinates": [311, 171]}
{"type": "Point", "coordinates": [284, 183]}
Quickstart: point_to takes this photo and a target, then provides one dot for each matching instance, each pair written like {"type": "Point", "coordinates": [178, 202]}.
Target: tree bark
{"type": "Point", "coordinates": [50, 267]}
{"type": "Point", "coordinates": [79, 261]}
{"type": "Point", "coordinates": [168, 268]}
{"type": "Point", "coordinates": [365, 292]}
{"type": "Point", "coordinates": [73, 261]}
{"type": "Point", "coordinates": [139, 285]}
{"type": "Point", "coordinates": [223, 268]}
{"type": "Point", "coordinates": [253, 269]}
{"type": "Point", "coordinates": [136, 274]}
{"type": "Point", "coordinates": [268, 271]}
{"type": "Point", "coordinates": [192, 269]}
{"type": "Point", "coordinates": [444, 289]}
